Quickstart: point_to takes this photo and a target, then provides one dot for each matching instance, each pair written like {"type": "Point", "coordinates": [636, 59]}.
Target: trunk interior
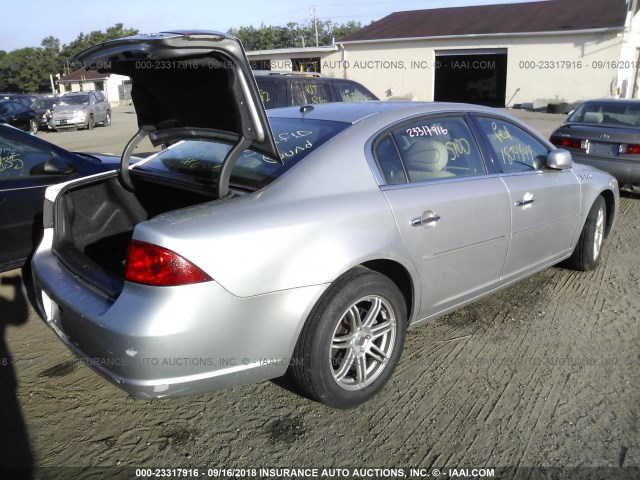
{"type": "Point", "coordinates": [95, 222]}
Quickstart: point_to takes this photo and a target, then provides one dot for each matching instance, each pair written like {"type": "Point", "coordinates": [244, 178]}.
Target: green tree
{"type": "Point", "coordinates": [28, 69]}
{"type": "Point", "coordinates": [293, 34]}
{"type": "Point", "coordinates": [20, 70]}
{"type": "Point", "coordinates": [342, 30]}
{"type": "Point", "coordinates": [83, 41]}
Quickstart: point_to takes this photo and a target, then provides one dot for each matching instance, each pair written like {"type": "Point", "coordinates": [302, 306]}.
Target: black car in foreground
{"type": "Point", "coordinates": [28, 165]}
{"type": "Point", "coordinates": [604, 134]}
{"type": "Point", "coordinates": [18, 115]}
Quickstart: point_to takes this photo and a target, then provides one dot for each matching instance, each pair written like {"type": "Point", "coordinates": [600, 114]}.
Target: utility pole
{"type": "Point", "coordinates": [315, 23]}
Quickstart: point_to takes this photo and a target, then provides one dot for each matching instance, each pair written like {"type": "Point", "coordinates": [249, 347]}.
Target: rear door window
{"type": "Point", "coordinates": [438, 147]}
{"type": "Point", "coordinates": [310, 92]}
{"type": "Point", "coordinates": [389, 162]}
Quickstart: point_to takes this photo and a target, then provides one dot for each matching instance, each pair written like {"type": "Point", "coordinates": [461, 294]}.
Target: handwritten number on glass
{"type": "Point", "coordinates": [10, 160]}
{"type": "Point", "coordinates": [457, 148]}
{"type": "Point", "coordinates": [426, 131]}
{"type": "Point", "coordinates": [517, 152]}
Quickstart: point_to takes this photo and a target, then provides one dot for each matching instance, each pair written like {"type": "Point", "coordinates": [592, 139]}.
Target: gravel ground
{"type": "Point", "coordinates": [544, 374]}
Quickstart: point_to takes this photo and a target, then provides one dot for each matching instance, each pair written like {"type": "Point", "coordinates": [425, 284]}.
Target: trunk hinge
{"type": "Point", "coordinates": [125, 178]}
{"type": "Point", "coordinates": [227, 165]}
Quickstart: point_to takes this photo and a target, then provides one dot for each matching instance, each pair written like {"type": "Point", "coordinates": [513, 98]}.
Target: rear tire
{"type": "Point", "coordinates": [107, 120]}
{"type": "Point", "coordinates": [586, 255]}
{"type": "Point", "coordinates": [352, 341]}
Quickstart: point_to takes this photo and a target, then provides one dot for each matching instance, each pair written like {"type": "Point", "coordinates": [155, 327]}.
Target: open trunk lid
{"type": "Point", "coordinates": [185, 85]}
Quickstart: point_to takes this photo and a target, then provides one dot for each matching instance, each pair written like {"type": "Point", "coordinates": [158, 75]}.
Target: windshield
{"type": "Point", "coordinates": [610, 113]}
{"type": "Point", "coordinates": [75, 100]}
{"type": "Point", "coordinates": [44, 103]}
{"type": "Point", "coordinates": [295, 139]}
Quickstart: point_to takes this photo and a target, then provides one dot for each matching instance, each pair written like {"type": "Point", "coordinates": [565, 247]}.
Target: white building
{"type": "Point", "coordinates": [117, 88]}
{"type": "Point", "coordinates": [537, 53]}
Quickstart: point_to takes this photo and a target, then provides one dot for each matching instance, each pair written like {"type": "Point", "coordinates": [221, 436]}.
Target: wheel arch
{"type": "Point", "coordinates": [398, 274]}
{"type": "Point", "coordinates": [610, 202]}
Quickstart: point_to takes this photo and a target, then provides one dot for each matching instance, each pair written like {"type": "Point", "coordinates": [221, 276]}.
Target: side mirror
{"type": "Point", "coordinates": [559, 159]}
{"type": "Point", "coordinates": [57, 166]}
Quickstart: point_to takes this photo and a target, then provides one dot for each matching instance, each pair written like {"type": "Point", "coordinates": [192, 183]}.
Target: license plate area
{"type": "Point", "coordinates": [602, 149]}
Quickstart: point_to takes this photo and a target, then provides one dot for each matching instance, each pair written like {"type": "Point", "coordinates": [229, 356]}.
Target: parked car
{"type": "Point", "coordinates": [43, 107]}
{"type": "Point", "coordinates": [604, 134]}
{"type": "Point", "coordinates": [28, 165]}
{"type": "Point", "coordinates": [284, 89]}
{"type": "Point", "coordinates": [23, 98]}
{"type": "Point", "coordinates": [305, 244]}
{"type": "Point", "coordinates": [18, 115]}
{"type": "Point", "coordinates": [81, 110]}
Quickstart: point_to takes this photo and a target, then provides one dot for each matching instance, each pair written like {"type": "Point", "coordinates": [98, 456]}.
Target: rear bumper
{"type": "Point", "coordinates": [625, 171]}
{"type": "Point", "coordinates": [161, 342]}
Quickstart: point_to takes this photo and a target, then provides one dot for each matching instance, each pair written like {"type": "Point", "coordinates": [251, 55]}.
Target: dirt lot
{"type": "Point", "coordinates": [544, 374]}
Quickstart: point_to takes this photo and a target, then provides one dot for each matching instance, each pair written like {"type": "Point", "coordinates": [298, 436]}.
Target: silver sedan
{"type": "Point", "coordinates": [303, 244]}
{"type": "Point", "coordinates": [604, 134]}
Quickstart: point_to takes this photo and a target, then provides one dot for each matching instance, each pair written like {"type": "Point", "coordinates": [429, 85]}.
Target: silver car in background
{"type": "Point", "coordinates": [604, 134]}
{"type": "Point", "coordinates": [81, 110]}
{"type": "Point", "coordinates": [305, 243]}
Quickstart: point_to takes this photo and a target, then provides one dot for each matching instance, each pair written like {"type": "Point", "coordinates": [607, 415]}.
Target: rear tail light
{"type": "Point", "coordinates": [566, 142]}
{"type": "Point", "coordinates": [624, 148]}
{"type": "Point", "coordinates": [150, 264]}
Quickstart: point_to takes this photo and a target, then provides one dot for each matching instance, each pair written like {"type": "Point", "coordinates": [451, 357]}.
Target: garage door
{"type": "Point", "coordinates": [471, 76]}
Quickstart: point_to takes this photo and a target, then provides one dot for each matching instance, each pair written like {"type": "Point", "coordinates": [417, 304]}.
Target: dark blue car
{"type": "Point", "coordinates": [18, 115]}
{"type": "Point", "coordinates": [28, 165]}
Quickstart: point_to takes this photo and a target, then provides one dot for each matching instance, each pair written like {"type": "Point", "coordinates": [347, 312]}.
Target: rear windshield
{"type": "Point", "coordinates": [609, 113]}
{"type": "Point", "coordinates": [295, 139]}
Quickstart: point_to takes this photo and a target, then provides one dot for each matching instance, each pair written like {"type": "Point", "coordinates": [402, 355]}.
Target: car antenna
{"type": "Point", "coordinates": [306, 108]}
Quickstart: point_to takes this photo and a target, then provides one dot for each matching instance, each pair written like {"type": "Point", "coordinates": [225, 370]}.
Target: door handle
{"type": "Point", "coordinates": [428, 219]}
{"type": "Point", "coordinates": [527, 199]}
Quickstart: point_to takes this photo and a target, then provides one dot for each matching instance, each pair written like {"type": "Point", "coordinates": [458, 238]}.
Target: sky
{"type": "Point", "coordinates": [27, 22]}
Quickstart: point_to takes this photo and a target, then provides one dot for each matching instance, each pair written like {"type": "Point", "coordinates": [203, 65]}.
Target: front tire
{"type": "Point", "coordinates": [586, 255]}
{"type": "Point", "coordinates": [33, 127]}
{"type": "Point", "coordinates": [107, 120]}
{"type": "Point", "coordinates": [352, 342]}
{"type": "Point", "coordinates": [90, 123]}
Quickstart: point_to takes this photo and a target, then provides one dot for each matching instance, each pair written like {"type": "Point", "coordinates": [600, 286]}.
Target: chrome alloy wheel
{"type": "Point", "coordinates": [363, 342]}
{"type": "Point", "coordinates": [598, 235]}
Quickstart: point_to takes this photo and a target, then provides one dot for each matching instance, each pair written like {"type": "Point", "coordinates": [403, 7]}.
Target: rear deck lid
{"type": "Point", "coordinates": [188, 85]}
{"type": "Point", "coordinates": [601, 141]}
